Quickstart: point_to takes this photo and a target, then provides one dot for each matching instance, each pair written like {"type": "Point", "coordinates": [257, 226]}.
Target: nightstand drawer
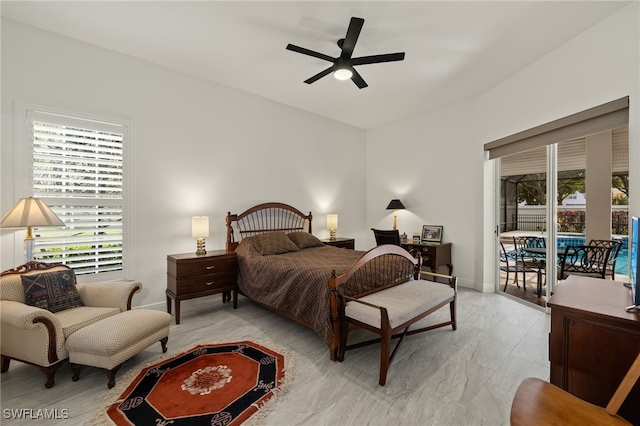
{"type": "Point", "coordinates": [204, 283]}
{"type": "Point", "coordinates": [203, 266]}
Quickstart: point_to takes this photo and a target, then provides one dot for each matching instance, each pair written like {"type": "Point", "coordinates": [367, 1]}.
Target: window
{"type": "Point", "coordinates": [78, 169]}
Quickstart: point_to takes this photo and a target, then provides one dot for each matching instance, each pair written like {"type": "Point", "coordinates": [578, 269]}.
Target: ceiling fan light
{"type": "Point", "coordinates": [342, 74]}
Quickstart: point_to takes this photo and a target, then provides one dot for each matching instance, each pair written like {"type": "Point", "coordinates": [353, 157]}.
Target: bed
{"type": "Point", "coordinates": [282, 266]}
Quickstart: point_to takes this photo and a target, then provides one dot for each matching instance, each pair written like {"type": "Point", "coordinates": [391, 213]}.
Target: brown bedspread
{"type": "Point", "coordinates": [296, 282]}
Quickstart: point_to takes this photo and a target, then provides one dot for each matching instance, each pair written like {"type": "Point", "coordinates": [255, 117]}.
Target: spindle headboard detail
{"type": "Point", "coordinates": [263, 218]}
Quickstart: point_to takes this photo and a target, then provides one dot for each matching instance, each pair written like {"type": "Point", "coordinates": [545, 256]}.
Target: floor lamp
{"type": "Point", "coordinates": [30, 213]}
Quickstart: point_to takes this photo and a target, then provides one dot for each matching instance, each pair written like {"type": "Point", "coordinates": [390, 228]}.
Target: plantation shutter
{"type": "Point", "coordinates": [78, 172]}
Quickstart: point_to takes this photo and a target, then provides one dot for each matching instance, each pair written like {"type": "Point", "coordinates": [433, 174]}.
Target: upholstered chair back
{"type": "Point", "coordinates": [11, 283]}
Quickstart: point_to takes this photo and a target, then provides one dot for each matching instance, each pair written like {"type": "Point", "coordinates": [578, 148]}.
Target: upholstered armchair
{"type": "Point", "coordinates": [34, 334]}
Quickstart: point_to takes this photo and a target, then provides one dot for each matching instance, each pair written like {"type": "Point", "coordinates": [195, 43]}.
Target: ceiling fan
{"type": "Point", "coordinates": [342, 67]}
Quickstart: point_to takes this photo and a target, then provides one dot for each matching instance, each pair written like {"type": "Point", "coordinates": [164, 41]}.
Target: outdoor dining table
{"type": "Point", "coordinates": [539, 260]}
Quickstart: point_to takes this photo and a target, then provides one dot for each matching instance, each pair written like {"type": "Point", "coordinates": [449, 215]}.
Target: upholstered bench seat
{"type": "Point", "coordinates": [403, 302]}
{"type": "Point", "coordinates": [106, 344]}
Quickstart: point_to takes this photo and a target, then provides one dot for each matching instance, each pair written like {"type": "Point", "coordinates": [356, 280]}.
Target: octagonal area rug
{"type": "Point", "coordinates": [211, 384]}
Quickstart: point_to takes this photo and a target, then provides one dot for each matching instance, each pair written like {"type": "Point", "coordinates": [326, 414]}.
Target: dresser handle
{"type": "Point", "coordinates": [210, 267]}
{"type": "Point", "coordinates": [211, 283]}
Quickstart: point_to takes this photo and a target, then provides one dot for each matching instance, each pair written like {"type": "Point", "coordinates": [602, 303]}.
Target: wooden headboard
{"type": "Point", "coordinates": [263, 218]}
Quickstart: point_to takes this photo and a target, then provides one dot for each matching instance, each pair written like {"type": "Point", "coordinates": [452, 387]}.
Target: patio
{"type": "Point", "coordinates": [530, 294]}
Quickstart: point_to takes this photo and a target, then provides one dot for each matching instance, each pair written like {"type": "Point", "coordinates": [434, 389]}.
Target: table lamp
{"type": "Point", "coordinates": [332, 225]}
{"type": "Point", "coordinates": [199, 231]}
{"type": "Point", "coordinates": [30, 213]}
{"type": "Point", "coordinates": [395, 205]}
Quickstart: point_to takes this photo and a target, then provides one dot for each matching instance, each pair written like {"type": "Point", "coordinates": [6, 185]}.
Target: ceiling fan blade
{"type": "Point", "coordinates": [304, 51]}
{"type": "Point", "coordinates": [358, 80]}
{"type": "Point", "coordinates": [355, 26]}
{"type": "Point", "coordinates": [374, 59]}
{"type": "Point", "coordinates": [319, 75]}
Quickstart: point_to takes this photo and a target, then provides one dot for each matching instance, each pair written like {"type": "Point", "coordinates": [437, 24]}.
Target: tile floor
{"type": "Point", "coordinates": [445, 377]}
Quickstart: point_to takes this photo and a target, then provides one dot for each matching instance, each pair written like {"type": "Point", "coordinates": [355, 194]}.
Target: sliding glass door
{"type": "Point", "coordinates": [523, 225]}
{"type": "Point", "coordinates": [557, 196]}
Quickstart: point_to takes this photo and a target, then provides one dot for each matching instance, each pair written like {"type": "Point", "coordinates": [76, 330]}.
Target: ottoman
{"type": "Point", "coordinates": [106, 344]}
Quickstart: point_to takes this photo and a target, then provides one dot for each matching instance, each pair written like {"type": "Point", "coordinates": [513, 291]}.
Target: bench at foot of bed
{"type": "Point", "coordinates": [386, 299]}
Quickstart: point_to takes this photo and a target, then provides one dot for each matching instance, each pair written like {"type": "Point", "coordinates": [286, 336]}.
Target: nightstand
{"type": "Point", "coordinates": [348, 243]}
{"type": "Point", "coordinates": [190, 276]}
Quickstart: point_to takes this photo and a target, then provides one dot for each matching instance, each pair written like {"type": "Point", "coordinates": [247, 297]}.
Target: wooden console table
{"type": "Point", "coordinates": [594, 341]}
{"type": "Point", "coordinates": [433, 255]}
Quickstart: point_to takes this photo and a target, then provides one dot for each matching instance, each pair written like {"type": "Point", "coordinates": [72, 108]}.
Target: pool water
{"type": "Point", "coordinates": [622, 264]}
{"type": "Point", "coordinates": [578, 240]}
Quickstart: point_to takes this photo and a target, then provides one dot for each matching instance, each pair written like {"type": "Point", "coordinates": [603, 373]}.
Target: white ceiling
{"type": "Point", "coordinates": [455, 50]}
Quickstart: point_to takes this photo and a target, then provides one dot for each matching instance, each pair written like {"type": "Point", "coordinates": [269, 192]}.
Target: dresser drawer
{"type": "Point", "coordinates": [433, 255]}
{"type": "Point", "coordinates": [203, 283]}
{"type": "Point", "coordinates": [427, 252]}
{"type": "Point", "coordinates": [204, 266]}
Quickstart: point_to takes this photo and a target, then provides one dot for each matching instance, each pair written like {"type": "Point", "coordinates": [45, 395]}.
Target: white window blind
{"type": "Point", "coordinates": [78, 170]}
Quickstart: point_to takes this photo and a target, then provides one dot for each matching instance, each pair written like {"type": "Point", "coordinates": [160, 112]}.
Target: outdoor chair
{"type": "Point", "coordinates": [386, 236]}
{"type": "Point", "coordinates": [530, 261]}
{"type": "Point", "coordinates": [615, 246]}
{"type": "Point", "coordinates": [585, 260]}
{"type": "Point", "coordinates": [509, 263]}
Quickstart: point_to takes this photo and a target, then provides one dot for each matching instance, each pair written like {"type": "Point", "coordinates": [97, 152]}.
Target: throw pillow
{"type": "Point", "coordinates": [54, 291]}
{"type": "Point", "coordinates": [273, 243]}
{"type": "Point", "coordinates": [305, 240]}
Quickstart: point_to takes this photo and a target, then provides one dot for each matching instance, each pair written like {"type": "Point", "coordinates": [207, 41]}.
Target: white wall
{"type": "Point", "coordinates": [456, 187]}
{"type": "Point", "coordinates": [199, 148]}
{"type": "Point", "coordinates": [429, 165]}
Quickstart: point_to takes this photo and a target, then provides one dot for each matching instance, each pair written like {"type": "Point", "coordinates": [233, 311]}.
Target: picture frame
{"type": "Point", "coordinates": [432, 233]}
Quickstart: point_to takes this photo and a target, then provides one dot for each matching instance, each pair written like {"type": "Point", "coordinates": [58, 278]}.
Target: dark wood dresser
{"type": "Point", "coordinates": [433, 255]}
{"type": "Point", "coordinates": [594, 341]}
{"type": "Point", "coordinates": [190, 276]}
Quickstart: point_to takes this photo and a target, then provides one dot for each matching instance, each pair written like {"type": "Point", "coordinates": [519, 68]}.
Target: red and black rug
{"type": "Point", "coordinates": [211, 384]}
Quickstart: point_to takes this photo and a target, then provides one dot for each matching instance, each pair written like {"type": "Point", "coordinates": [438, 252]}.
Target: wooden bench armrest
{"type": "Point", "coordinates": [453, 280]}
{"type": "Point", "coordinates": [363, 302]}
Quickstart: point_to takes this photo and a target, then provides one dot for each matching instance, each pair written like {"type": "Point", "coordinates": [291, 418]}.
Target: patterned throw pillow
{"type": "Point", "coordinates": [54, 291]}
{"type": "Point", "coordinates": [273, 243]}
{"type": "Point", "coordinates": [305, 240]}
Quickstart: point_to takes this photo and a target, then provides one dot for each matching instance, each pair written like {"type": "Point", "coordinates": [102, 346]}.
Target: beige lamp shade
{"type": "Point", "coordinates": [200, 226]}
{"type": "Point", "coordinates": [332, 225]}
{"type": "Point", "coordinates": [332, 221]}
{"type": "Point", "coordinates": [30, 212]}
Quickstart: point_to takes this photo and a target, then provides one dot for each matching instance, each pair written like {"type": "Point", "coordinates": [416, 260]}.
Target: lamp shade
{"type": "Point", "coordinates": [395, 204]}
{"type": "Point", "coordinates": [332, 221]}
{"type": "Point", "coordinates": [200, 226]}
{"type": "Point", "coordinates": [30, 212]}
